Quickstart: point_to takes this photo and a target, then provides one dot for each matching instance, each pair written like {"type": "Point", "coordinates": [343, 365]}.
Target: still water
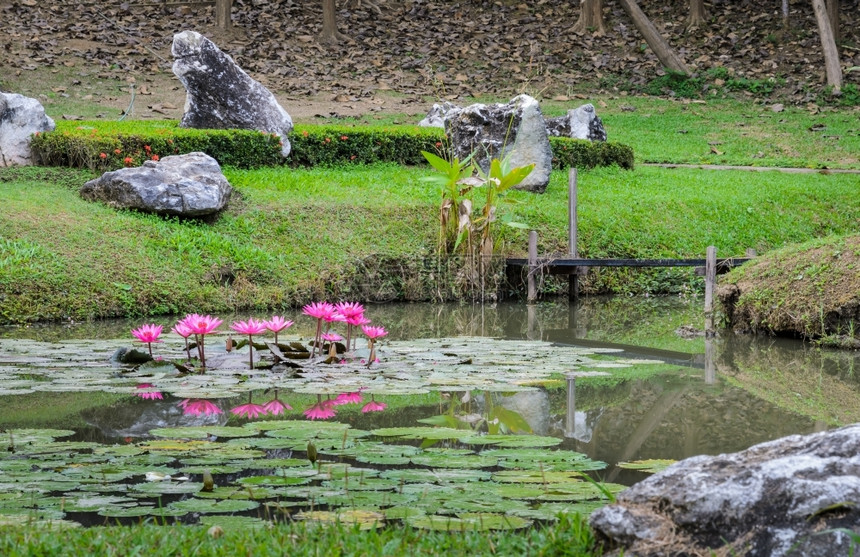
{"type": "Point", "coordinates": [615, 379]}
{"type": "Point", "coordinates": [750, 390]}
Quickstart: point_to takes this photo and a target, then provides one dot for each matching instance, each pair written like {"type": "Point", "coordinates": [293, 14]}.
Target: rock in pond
{"type": "Point", "coordinates": [799, 495]}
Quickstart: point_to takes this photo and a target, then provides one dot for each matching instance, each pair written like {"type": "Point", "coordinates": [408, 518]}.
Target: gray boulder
{"type": "Point", "coordinates": [789, 496]}
{"type": "Point", "coordinates": [438, 113]}
{"type": "Point", "coordinates": [20, 118]}
{"type": "Point", "coordinates": [220, 95]}
{"type": "Point", "coordinates": [515, 130]}
{"type": "Point", "coordinates": [579, 123]}
{"type": "Point", "coordinates": [189, 185]}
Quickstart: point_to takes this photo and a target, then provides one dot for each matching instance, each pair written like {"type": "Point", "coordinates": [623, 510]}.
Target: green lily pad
{"type": "Point", "coordinates": [364, 519]}
{"type": "Point", "coordinates": [469, 522]}
{"type": "Point", "coordinates": [201, 432]}
{"type": "Point", "coordinates": [235, 523]}
{"type": "Point", "coordinates": [275, 480]}
{"type": "Point", "coordinates": [650, 466]}
{"type": "Point", "coordinates": [168, 487]}
{"type": "Point", "coordinates": [210, 506]}
{"type": "Point", "coordinates": [436, 475]}
{"type": "Point", "coordinates": [551, 511]}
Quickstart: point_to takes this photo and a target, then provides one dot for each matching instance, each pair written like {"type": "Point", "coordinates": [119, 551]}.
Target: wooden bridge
{"type": "Point", "coordinates": [574, 266]}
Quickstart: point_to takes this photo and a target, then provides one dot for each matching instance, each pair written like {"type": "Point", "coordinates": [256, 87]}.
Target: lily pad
{"type": "Point", "coordinates": [201, 432]}
{"type": "Point", "coordinates": [650, 466]}
{"type": "Point", "coordinates": [364, 519]}
{"type": "Point", "coordinates": [213, 505]}
{"type": "Point", "coordinates": [469, 522]}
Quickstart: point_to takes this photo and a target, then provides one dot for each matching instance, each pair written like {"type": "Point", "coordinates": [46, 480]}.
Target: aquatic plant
{"type": "Point", "coordinates": [183, 330]}
{"type": "Point", "coordinates": [148, 334]}
{"type": "Point", "coordinates": [322, 410]}
{"type": "Point", "coordinates": [372, 333]}
{"type": "Point", "coordinates": [319, 311]}
{"type": "Point", "coordinates": [250, 327]}
{"type": "Point", "coordinates": [201, 325]}
{"type": "Point", "coordinates": [147, 393]}
{"type": "Point", "coordinates": [276, 407]}
{"type": "Point", "coordinates": [249, 410]}
{"type": "Point", "coordinates": [373, 406]}
{"type": "Point", "coordinates": [195, 407]}
{"type": "Point", "coordinates": [277, 324]}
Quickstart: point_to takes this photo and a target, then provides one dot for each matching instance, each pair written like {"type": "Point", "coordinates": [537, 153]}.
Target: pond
{"type": "Point", "coordinates": [545, 409]}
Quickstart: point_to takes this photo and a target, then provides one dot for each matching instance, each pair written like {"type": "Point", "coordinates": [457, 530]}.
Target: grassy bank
{"type": "Point", "coordinates": [370, 232]}
{"type": "Point", "coordinates": [291, 236]}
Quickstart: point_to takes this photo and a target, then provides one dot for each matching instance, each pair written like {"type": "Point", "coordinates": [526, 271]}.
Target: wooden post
{"type": "Point", "coordinates": [710, 283]}
{"type": "Point", "coordinates": [570, 415]}
{"type": "Point", "coordinates": [573, 278]}
{"type": "Point", "coordinates": [710, 365]}
{"type": "Point", "coordinates": [751, 252]}
{"type": "Point", "coordinates": [222, 13]}
{"type": "Point", "coordinates": [532, 295]}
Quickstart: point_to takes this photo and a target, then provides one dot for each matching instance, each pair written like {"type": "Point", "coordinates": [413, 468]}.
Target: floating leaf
{"type": "Point", "coordinates": [469, 522]}
{"type": "Point", "coordinates": [650, 466]}
{"type": "Point", "coordinates": [213, 506]}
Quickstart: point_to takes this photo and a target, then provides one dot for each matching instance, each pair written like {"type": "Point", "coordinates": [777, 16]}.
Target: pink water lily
{"type": "Point", "coordinates": [319, 412]}
{"type": "Point", "coordinates": [354, 321]}
{"type": "Point", "coordinates": [199, 406]}
{"type": "Point", "coordinates": [373, 333]}
{"type": "Point", "coordinates": [148, 334]}
{"type": "Point", "coordinates": [331, 338]}
{"type": "Point", "coordinates": [276, 407]}
{"type": "Point", "coordinates": [349, 309]}
{"type": "Point", "coordinates": [250, 327]}
{"type": "Point", "coordinates": [249, 410]}
{"type": "Point", "coordinates": [373, 406]}
{"type": "Point", "coordinates": [201, 325]}
{"type": "Point", "coordinates": [277, 324]}
{"type": "Point", "coordinates": [321, 311]}
{"type": "Point", "coordinates": [348, 398]}
{"type": "Point", "coordinates": [183, 330]}
{"type": "Point", "coordinates": [148, 393]}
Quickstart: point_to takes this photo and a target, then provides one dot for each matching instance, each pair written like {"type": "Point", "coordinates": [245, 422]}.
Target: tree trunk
{"type": "Point", "coordinates": [222, 14]}
{"type": "Point", "coordinates": [833, 14]}
{"type": "Point", "coordinates": [330, 34]}
{"type": "Point", "coordinates": [785, 24]}
{"type": "Point", "coordinates": [590, 18]}
{"type": "Point", "coordinates": [831, 56]}
{"type": "Point", "coordinates": [656, 41]}
{"type": "Point", "coordinates": [698, 14]}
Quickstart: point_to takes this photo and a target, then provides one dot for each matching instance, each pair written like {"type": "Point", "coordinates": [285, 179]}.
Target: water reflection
{"type": "Point", "coordinates": [711, 396]}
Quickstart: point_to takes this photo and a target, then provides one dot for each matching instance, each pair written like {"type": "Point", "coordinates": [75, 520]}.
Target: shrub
{"type": "Point", "coordinates": [103, 146]}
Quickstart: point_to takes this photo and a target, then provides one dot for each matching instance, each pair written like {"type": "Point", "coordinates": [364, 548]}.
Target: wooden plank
{"type": "Point", "coordinates": [572, 278]}
{"type": "Point", "coordinates": [532, 262]}
{"type": "Point", "coordinates": [550, 262]}
{"type": "Point", "coordinates": [710, 286]}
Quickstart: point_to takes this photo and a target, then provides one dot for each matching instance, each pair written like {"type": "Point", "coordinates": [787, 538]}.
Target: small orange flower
{"type": "Point", "coordinates": [328, 140]}
{"type": "Point", "coordinates": [155, 157]}
{"type": "Point", "coordinates": [147, 148]}
{"type": "Point", "coordinates": [103, 155]}
{"type": "Point", "coordinates": [117, 151]}
{"type": "Point", "coordinates": [343, 138]}
{"type": "Point", "coordinates": [438, 144]}
{"type": "Point", "coordinates": [128, 161]}
{"type": "Point", "coordinates": [305, 133]}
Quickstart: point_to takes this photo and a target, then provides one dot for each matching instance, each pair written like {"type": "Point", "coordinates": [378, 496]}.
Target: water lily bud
{"type": "Point", "coordinates": [208, 481]}
{"type": "Point", "coordinates": [312, 452]}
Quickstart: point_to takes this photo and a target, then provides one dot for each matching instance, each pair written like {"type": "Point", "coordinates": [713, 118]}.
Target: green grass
{"type": "Point", "coordinates": [570, 536]}
{"type": "Point", "coordinates": [291, 236]}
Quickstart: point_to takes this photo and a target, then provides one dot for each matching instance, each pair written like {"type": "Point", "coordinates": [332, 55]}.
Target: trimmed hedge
{"type": "Point", "coordinates": [102, 146]}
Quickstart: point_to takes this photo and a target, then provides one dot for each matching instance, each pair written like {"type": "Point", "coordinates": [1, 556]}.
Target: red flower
{"type": "Point", "coordinates": [147, 148]}
{"type": "Point", "coordinates": [155, 157]}
{"type": "Point", "coordinates": [305, 133]}
{"type": "Point", "coordinates": [117, 151]}
{"type": "Point", "coordinates": [328, 140]}
{"type": "Point", "coordinates": [343, 138]}
{"type": "Point", "coordinates": [438, 144]}
{"type": "Point", "coordinates": [103, 155]}
{"type": "Point", "coordinates": [128, 161]}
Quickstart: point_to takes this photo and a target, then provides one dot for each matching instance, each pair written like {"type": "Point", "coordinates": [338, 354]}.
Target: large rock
{"type": "Point", "coordinates": [578, 123]}
{"type": "Point", "coordinates": [20, 118]}
{"type": "Point", "coordinates": [778, 498]}
{"type": "Point", "coordinates": [515, 130]}
{"type": "Point", "coordinates": [221, 95]}
{"type": "Point", "coordinates": [189, 185]}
